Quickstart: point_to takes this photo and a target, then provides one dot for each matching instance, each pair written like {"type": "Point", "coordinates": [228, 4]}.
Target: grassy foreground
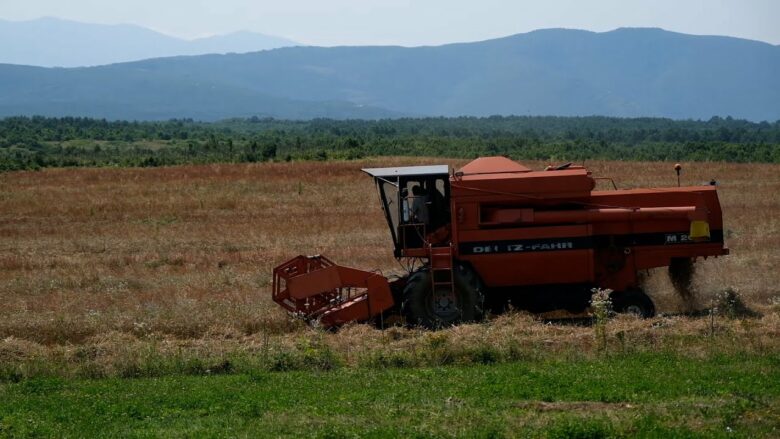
{"type": "Point", "coordinates": [656, 395]}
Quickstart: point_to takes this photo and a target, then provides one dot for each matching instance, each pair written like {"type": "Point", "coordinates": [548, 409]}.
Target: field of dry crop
{"type": "Point", "coordinates": [148, 271]}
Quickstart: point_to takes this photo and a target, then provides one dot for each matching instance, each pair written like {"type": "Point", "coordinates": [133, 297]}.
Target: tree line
{"type": "Point", "coordinates": [36, 142]}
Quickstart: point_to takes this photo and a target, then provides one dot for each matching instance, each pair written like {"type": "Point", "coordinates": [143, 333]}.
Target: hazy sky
{"type": "Point", "coordinates": [406, 22]}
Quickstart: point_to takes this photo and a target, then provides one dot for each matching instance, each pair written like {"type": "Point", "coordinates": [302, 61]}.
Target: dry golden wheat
{"type": "Point", "coordinates": [112, 267]}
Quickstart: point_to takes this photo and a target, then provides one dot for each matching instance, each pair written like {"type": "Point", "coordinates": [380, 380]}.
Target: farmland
{"type": "Point", "coordinates": [163, 273]}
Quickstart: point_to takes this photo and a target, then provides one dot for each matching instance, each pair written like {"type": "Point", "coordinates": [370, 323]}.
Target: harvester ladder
{"type": "Point", "coordinates": [441, 268]}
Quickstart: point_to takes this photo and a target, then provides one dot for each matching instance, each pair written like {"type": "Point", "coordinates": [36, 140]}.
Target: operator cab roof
{"type": "Point", "coordinates": [403, 171]}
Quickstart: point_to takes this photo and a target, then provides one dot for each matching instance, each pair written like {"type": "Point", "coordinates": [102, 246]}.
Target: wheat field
{"type": "Point", "coordinates": [149, 271]}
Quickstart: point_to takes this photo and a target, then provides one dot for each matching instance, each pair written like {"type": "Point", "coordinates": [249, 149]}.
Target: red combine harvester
{"type": "Point", "coordinates": [496, 232]}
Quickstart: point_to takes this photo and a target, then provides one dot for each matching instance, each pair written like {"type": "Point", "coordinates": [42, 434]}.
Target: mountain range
{"type": "Point", "coordinates": [53, 42]}
{"type": "Point", "coordinates": [630, 72]}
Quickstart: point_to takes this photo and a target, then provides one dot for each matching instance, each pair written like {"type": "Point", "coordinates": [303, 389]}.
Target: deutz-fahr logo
{"type": "Point", "coordinates": [511, 248]}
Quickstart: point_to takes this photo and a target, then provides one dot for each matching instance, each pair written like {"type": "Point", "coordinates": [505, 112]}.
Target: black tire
{"type": "Point", "coordinates": [633, 302]}
{"type": "Point", "coordinates": [418, 305]}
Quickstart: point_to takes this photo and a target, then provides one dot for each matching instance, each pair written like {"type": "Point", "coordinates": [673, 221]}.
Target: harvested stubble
{"type": "Point", "coordinates": [167, 270]}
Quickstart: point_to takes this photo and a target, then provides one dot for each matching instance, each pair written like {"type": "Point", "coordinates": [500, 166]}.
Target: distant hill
{"type": "Point", "coordinates": [626, 73]}
{"type": "Point", "coordinates": [52, 42]}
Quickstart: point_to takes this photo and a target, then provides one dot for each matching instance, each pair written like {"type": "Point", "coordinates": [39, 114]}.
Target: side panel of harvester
{"type": "Point", "coordinates": [487, 231]}
{"type": "Point", "coordinates": [537, 228]}
{"type": "Point", "coordinates": [656, 240]}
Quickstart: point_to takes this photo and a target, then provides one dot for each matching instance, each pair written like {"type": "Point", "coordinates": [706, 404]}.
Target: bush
{"type": "Point", "coordinates": [729, 303]}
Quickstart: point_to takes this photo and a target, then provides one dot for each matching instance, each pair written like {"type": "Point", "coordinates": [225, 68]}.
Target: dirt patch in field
{"type": "Point", "coordinates": [573, 406]}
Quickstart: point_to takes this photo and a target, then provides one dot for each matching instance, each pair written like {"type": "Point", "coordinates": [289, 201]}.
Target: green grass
{"type": "Point", "coordinates": [655, 395]}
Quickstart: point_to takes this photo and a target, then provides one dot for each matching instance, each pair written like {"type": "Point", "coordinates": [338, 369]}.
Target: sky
{"type": "Point", "coordinates": [410, 23]}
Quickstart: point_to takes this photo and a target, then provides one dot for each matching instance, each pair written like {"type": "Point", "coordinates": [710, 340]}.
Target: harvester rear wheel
{"type": "Point", "coordinates": [633, 302]}
{"type": "Point", "coordinates": [421, 307]}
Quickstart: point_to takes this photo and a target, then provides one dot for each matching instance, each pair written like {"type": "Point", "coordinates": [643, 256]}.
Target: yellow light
{"type": "Point", "coordinates": [700, 230]}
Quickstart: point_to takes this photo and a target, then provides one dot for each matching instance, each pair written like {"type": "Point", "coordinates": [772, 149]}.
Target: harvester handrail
{"type": "Point", "coordinates": [610, 179]}
{"type": "Point", "coordinates": [459, 174]}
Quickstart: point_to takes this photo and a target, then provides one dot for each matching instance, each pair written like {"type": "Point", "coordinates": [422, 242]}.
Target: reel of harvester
{"type": "Point", "coordinates": [317, 289]}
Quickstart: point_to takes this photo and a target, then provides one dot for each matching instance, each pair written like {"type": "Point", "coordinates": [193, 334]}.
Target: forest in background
{"type": "Point", "coordinates": [38, 142]}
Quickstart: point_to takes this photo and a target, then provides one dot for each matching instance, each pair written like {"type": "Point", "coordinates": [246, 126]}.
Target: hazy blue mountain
{"type": "Point", "coordinates": [52, 42]}
{"type": "Point", "coordinates": [626, 72]}
{"type": "Point", "coordinates": [115, 92]}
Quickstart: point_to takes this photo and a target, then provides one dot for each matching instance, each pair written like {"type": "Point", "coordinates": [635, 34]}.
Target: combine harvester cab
{"type": "Point", "coordinates": [497, 232]}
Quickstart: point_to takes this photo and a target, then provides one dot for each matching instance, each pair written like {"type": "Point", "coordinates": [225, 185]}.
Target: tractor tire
{"type": "Point", "coordinates": [418, 305]}
{"type": "Point", "coordinates": [634, 302]}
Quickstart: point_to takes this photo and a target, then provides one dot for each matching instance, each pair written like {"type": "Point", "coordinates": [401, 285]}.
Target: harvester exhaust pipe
{"type": "Point", "coordinates": [678, 169]}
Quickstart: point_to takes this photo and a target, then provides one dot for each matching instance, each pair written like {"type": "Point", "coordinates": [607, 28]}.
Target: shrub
{"type": "Point", "coordinates": [601, 308]}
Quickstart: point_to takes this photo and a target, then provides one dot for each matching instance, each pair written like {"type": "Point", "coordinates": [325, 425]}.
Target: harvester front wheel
{"type": "Point", "coordinates": [424, 307]}
{"type": "Point", "coordinates": [633, 302]}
